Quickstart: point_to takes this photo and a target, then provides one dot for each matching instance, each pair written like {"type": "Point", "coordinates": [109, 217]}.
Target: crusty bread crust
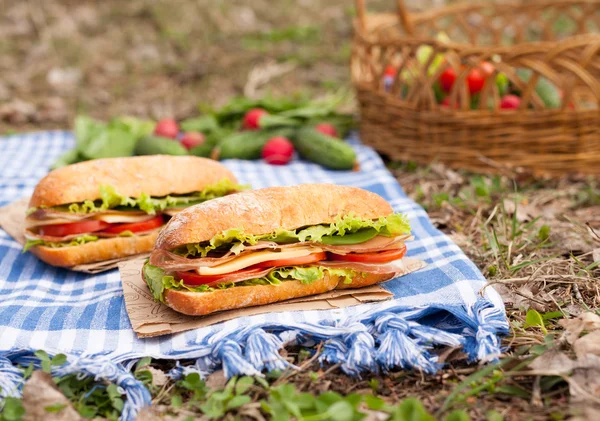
{"type": "Point", "coordinates": [96, 251]}
{"type": "Point", "coordinates": [156, 175]}
{"type": "Point", "coordinates": [203, 303]}
{"type": "Point", "coordinates": [266, 210]}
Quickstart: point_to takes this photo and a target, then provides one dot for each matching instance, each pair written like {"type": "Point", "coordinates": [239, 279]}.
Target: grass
{"type": "Point", "coordinates": [533, 239]}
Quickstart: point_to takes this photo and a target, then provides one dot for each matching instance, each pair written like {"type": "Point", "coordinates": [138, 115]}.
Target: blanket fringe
{"type": "Point", "coordinates": [137, 396]}
{"type": "Point", "coordinates": [383, 338]}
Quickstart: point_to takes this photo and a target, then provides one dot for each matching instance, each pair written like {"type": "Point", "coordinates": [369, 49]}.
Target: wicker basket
{"type": "Point", "coordinates": [401, 116]}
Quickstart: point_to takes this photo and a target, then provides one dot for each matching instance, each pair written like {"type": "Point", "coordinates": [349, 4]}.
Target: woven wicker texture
{"type": "Point", "coordinates": [527, 42]}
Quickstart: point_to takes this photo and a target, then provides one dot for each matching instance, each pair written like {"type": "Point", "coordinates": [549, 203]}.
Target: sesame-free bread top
{"type": "Point", "coordinates": [156, 175]}
{"type": "Point", "coordinates": [266, 210]}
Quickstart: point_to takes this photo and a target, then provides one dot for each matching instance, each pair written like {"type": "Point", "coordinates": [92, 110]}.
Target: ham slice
{"type": "Point", "coordinates": [49, 217]}
{"type": "Point", "coordinates": [31, 236]}
{"type": "Point", "coordinates": [173, 262]}
{"type": "Point", "coordinates": [378, 243]}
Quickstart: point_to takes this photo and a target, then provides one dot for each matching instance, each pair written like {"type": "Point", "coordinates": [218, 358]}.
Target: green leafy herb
{"type": "Point", "coordinates": [95, 139]}
{"type": "Point", "coordinates": [394, 224]}
{"type": "Point", "coordinates": [74, 242]}
{"type": "Point", "coordinates": [159, 282]}
{"type": "Point", "coordinates": [110, 198]}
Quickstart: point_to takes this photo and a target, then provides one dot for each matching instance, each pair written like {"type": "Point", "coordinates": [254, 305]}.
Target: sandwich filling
{"type": "Point", "coordinates": [112, 215]}
{"type": "Point", "coordinates": [346, 248]}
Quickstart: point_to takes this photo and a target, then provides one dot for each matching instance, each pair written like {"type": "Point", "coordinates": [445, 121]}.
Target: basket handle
{"type": "Point", "coordinates": [403, 15]}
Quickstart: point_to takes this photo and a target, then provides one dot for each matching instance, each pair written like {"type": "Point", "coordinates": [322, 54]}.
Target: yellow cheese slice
{"type": "Point", "coordinates": [258, 257]}
{"type": "Point", "coordinates": [111, 218]}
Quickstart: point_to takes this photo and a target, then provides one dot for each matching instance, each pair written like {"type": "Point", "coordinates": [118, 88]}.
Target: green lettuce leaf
{"type": "Point", "coordinates": [111, 199]}
{"type": "Point", "coordinates": [236, 238]}
{"type": "Point", "coordinates": [159, 282]}
{"type": "Point", "coordinates": [74, 242]}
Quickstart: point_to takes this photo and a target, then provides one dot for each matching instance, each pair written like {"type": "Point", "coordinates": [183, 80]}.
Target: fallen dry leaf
{"type": "Point", "coordinates": [524, 212]}
{"type": "Point", "coordinates": [596, 255]}
{"type": "Point", "coordinates": [588, 344]}
{"type": "Point", "coordinates": [585, 321]}
{"type": "Point", "coordinates": [41, 392]}
{"type": "Point", "coordinates": [586, 413]}
{"type": "Point", "coordinates": [148, 414]}
{"type": "Point", "coordinates": [584, 382]}
{"type": "Point", "coordinates": [552, 363]}
{"type": "Point", "coordinates": [216, 380]}
{"type": "Point", "coordinates": [159, 378]}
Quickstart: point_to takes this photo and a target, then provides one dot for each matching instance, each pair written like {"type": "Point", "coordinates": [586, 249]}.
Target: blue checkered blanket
{"type": "Point", "coordinates": [84, 316]}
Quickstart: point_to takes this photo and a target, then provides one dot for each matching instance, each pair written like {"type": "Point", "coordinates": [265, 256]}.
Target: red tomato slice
{"type": "Point", "coordinates": [192, 278]}
{"type": "Point", "coordinates": [295, 261]}
{"type": "Point", "coordinates": [379, 257]}
{"type": "Point", "coordinates": [62, 230]}
{"type": "Point", "coordinates": [148, 225]}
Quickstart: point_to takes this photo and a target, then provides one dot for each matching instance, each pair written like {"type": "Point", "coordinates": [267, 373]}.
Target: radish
{"type": "Point", "coordinates": [167, 127]}
{"type": "Point", "coordinates": [278, 150]}
{"type": "Point", "coordinates": [192, 139]}
{"type": "Point", "coordinates": [510, 102]}
{"type": "Point", "coordinates": [326, 128]}
{"type": "Point", "coordinates": [446, 103]}
{"type": "Point", "coordinates": [252, 118]}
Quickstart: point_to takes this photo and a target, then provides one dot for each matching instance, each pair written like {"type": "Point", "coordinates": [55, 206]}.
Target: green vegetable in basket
{"type": "Point", "coordinates": [546, 90]}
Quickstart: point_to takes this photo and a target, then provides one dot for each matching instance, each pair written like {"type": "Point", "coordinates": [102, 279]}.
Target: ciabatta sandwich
{"type": "Point", "coordinates": [268, 245]}
{"type": "Point", "coordinates": [112, 208]}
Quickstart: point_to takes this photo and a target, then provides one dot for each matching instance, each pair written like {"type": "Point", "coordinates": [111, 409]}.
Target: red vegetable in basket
{"type": "Point", "coordinates": [252, 118]}
{"type": "Point", "coordinates": [475, 81]}
{"type": "Point", "coordinates": [447, 79]}
{"type": "Point", "coordinates": [446, 103]}
{"type": "Point", "coordinates": [326, 128]}
{"type": "Point", "coordinates": [278, 151]}
{"type": "Point", "coordinates": [167, 127]}
{"type": "Point", "coordinates": [486, 68]}
{"type": "Point", "coordinates": [510, 102]}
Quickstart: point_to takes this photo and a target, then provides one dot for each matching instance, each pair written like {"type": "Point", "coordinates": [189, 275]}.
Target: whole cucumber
{"type": "Point", "coordinates": [325, 150]}
{"type": "Point", "coordinates": [156, 145]}
{"type": "Point", "coordinates": [247, 144]}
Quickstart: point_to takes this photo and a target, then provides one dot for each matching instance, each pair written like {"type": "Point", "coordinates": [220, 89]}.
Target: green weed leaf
{"type": "Point", "coordinates": [410, 409]}
{"type": "Point", "coordinates": [176, 401]}
{"type": "Point", "coordinates": [143, 362]}
{"type": "Point", "coordinates": [243, 385]}
{"type": "Point", "coordinates": [238, 401]}
{"type": "Point", "coordinates": [59, 359]}
{"type": "Point", "coordinates": [458, 415]}
{"type": "Point", "coordinates": [494, 416]}
{"type": "Point", "coordinates": [534, 319]}
{"type": "Point", "coordinates": [13, 409]}
{"type": "Point", "coordinates": [341, 411]}
{"type": "Point", "coordinates": [55, 408]}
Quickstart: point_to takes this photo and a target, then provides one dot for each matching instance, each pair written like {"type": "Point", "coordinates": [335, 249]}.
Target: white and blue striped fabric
{"type": "Point", "coordinates": [84, 317]}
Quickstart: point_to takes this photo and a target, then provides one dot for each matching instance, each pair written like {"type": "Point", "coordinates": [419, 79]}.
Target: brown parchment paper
{"type": "Point", "coordinates": [150, 318]}
{"type": "Point", "coordinates": [12, 220]}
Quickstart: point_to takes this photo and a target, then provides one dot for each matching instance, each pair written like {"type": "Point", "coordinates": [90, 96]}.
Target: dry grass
{"type": "Point", "coordinates": [536, 240]}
